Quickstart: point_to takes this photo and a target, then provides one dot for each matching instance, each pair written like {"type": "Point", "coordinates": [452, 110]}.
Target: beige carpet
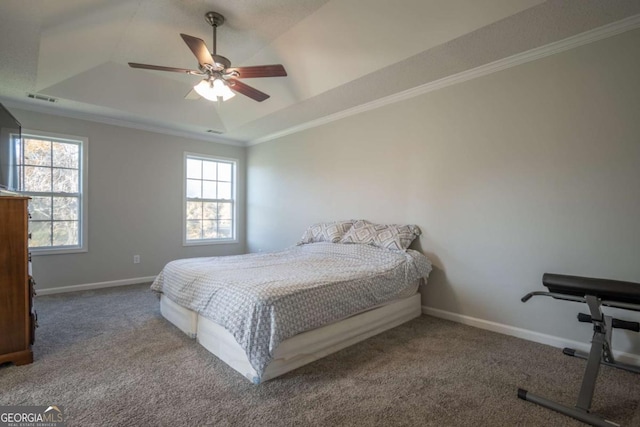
{"type": "Point", "coordinates": [110, 359]}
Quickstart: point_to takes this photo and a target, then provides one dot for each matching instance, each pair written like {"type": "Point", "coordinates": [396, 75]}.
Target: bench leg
{"type": "Point", "coordinates": [576, 413]}
{"type": "Point", "coordinates": [600, 349]}
{"type": "Point", "coordinates": [591, 372]}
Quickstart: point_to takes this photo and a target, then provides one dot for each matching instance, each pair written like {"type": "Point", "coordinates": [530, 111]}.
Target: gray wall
{"type": "Point", "coordinates": [135, 202]}
{"type": "Point", "coordinates": [529, 170]}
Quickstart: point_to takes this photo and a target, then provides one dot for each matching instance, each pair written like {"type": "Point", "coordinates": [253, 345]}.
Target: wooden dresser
{"type": "Point", "coordinates": [17, 316]}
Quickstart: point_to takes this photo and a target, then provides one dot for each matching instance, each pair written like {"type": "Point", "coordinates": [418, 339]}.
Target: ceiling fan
{"type": "Point", "coordinates": [220, 79]}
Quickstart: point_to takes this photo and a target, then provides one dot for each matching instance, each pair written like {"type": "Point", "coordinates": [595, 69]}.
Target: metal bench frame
{"type": "Point", "coordinates": [600, 354]}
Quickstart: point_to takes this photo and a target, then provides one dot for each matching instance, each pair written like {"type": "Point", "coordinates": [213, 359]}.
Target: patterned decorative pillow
{"type": "Point", "coordinates": [389, 236]}
{"type": "Point", "coordinates": [326, 232]}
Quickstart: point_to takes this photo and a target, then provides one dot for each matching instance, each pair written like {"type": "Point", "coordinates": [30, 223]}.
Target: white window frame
{"type": "Point", "coordinates": [83, 143]}
{"type": "Point", "coordinates": [234, 198]}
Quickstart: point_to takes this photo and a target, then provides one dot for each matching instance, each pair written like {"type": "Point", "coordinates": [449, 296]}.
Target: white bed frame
{"type": "Point", "coordinates": [298, 350]}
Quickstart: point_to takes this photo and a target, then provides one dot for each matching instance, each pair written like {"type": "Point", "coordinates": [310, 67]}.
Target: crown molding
{"type": "Point", "coordinates": [116, 122]}
{"type": "Point", "coordinates": [605, 31]}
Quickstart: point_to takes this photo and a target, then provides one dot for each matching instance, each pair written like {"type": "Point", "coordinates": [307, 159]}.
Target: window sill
{"type": "Point", "coordinates": [208, 242]}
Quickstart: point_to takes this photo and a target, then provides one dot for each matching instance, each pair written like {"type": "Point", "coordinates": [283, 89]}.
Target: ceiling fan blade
{"type": "Point", "coordinates": [199, 49]}
{"type": "Point", "coordinates": [247, 90]}
{"type": "Point", "coordinates": [275, 70]}
{"type": "Point", "coordinates": [161, 68]}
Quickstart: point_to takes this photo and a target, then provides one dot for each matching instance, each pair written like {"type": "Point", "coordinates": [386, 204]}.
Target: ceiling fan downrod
{"type": "Point", "coordinates": [215, 20]}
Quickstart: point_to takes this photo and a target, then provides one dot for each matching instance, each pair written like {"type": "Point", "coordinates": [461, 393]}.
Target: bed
{"type": "Point", "coordinates": [266, 314]}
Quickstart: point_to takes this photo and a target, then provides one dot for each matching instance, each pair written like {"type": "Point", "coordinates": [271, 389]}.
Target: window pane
{"type": "Point", "coordinates": [194, 229]}
{"type": "Point", "coordinates": [210, 211]}
{"type": "Point", "coordinates": [40, 208]}
{"type": "Point", "coordinates": [224, 190]}
{"type": "Point", "coordinates": [194, 190]}
{"type": "Point", "coordinates": [37, 179]}
{"type": "Point", "coordinates": [224, 171]}
{"type": "Point", "coordinates": [224, 211]}
{"type": "Point", "coordinates": [208, 189]}
{"type": "Point", "coordinates": [194, 168]}
{"type": "Point", "coordinates": [40, 233]}
{"type": "Point", "coordinates": [37, 152]}
{"type": "Point", "coordinates": [65, 155]}
{"type": "Point", "coordinates": [65, 181]}
{"type": "Point", "coordinates": [209, 229]}
{"type": "Point", "coordinates": [65, 208]}
{"type": "Point", "coordinates": [209, 170]}
{"type": "Point", "coordinates": [65, 233]}
{"type": "Point", "coordinates": [225, 229]}
{"type": "Point", "coordinates": [194, 210]}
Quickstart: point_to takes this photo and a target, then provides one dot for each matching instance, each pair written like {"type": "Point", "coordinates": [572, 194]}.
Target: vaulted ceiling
{"type": "Point", "coordinates": [339, 54]}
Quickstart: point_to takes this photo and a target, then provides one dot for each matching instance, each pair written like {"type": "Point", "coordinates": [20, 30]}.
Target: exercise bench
{"type": "Point", "coordinates": [595, 293]}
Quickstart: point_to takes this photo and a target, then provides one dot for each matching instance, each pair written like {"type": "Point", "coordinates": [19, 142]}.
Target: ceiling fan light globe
{"type": "Point", "coordinates": [227, 93]}
{"type": "Point", "coordinates": [212, 90]}
{"type": "Point", "coordinates": [204, 89]}
{"type": "Point", "coordinates": [218, 87]}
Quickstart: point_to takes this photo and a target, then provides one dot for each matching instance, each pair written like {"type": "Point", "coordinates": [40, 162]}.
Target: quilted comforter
{"type": "Point", "coordinates": [265, 298]}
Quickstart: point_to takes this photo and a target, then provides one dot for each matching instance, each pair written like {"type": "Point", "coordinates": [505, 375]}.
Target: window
{"type": "Point", "coordinates": [210, 208]}
{"type": "Point", "coordinates": [52, 171]}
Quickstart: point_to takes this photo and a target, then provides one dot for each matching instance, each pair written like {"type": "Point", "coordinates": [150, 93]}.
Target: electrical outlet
{"type": "Point", "coordinates": [136, 259]}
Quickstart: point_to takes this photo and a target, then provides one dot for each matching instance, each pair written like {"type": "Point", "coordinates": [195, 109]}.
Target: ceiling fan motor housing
{"type": "Point", "coordinates": [221, 61]}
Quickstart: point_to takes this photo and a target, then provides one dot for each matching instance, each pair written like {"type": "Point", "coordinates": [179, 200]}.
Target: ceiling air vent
{"type": "Point", "coordinates": [215, 131]}
{"type": "Point", "coordinates": [41, 97]}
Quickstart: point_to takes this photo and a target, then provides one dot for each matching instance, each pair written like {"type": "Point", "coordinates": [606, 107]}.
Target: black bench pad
{"type": "Point", "coordinates": [610, 290]}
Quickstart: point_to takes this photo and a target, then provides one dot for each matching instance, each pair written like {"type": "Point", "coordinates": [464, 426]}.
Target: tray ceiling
{"type": "Point", "coordinates": [338, 54]}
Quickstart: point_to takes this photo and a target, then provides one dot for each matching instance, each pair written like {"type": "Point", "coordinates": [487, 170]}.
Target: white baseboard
{"type": "Point", "coordinates": [526, 334]}
{"type": "Point", "coordinates": [98, 285]}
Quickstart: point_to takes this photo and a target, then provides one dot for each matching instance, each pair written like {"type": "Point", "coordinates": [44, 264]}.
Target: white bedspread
{"type": "Point", "coordinates": [265, 298]}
